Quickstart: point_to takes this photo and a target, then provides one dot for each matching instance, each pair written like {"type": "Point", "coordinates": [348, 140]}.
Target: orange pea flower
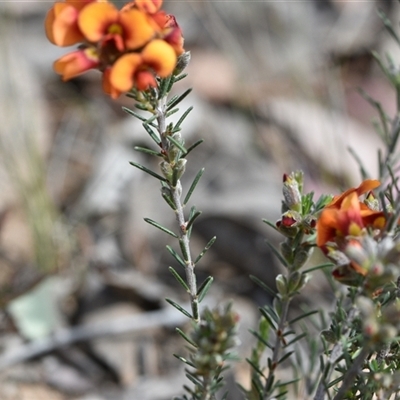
{"type": "Point", "coordinates": [61, 23]}
{"type": "Point", "coordinates": [108, 88]}
{"type": "Point", "coordinates": [347, 216]}
{"type": "Point", "coordinates": [77, 62]}
{"type": "Point", "coordinates": [129, 30]}
{"type": "Point", "coordinates": [365, 186]}
{"type": "Point", "coordinates": [148, 6]}
{"type": "Point", "coordinates": [170, 30]}
{"type": "Point", "coordinates": [138, 69]}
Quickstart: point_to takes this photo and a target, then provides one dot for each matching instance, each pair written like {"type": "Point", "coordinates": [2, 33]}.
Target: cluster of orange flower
{"type": "Point", "coordinates": [131, 46]}
{"type": "Point", "coordinates": [344, 221]}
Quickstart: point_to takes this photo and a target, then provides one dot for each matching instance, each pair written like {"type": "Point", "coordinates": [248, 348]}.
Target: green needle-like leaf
{"type": "Point", "coordinates": [268, 317]}
{"type": "Point", "coordinates": [176, 256]}
{"type": "Point", "coordinates": [141, 117]}
{"type": "Point", "coordinates": [208, 245]}
{"type": "Point", "coordinates": [141, 106]}
{"type": "Point", "coordinates": [194, 380]}
{"type": "Point", "coordinates": [300, 317]}
{"type": "Point", "coordinates": [204, 288]}
{"type": "Point", "coordinates": [255, 367]}
{"type": "Point", "coordinates": [133, 113]}
{"type": "Point", "coordinates": [162, 228]}
{"type": "Point", "coordinates": [177, 144]}
{"type": "Point", "coordinates": [261, 339]}
{"type": "Point", "coordinates": [179, 278]}
{"type": "Point", "coordinates": [168, 200]}
{"type": "Point", "coordinates": [164, 86]}
{"type": "Point", "coordinates": [180, 77]}
{"type": "Point", "coordinates": [184, 250]}
{"type": "Point", "coordinates": [147, 151]}
{"type": "Point", "coordinates": [190, 341]}
{"type": "Point", "coordinates": [296, 339]}
{"type": "Point", "coordinates": [194, 145]}
{"type": "Point", "coordinates": [150, 172]}
{"type": "Point", "coordinates": [388, 25]}
{"type": "Point", "coordinates": [277, 253]}
{"type": "Point", "coordinates": [321, 266]}
{"type": "Point", "coordinates": [192, 219]}
{"type": "Point", "coordinates": [177, 99]}
{"type": "Point", "coordinates": [178, 307]}
{"type": "Point", "coordinates": [169, 113]}
{"type": "Point", "coordinates": [262, 285]}
{"type": "Point", "coordinates": [271, 224]}
{"type": "Point", "coordinates": [193, 186]}
{"type": "Point", "coordinates": [281, 394]}
{"type": "Point", "coordinates": [182, 118]}
{"type": "Point", "coordinates": [152, 134]}
{"type": "Point", "coordinates": [184, 360]}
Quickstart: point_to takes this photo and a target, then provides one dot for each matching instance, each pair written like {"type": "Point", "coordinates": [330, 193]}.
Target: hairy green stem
{"type": "Point", "coordinates": [352, 373]}
{"type": "Point", "coordinates": [336, 353]}
{"type": "Point", "coordinates": [206, 392]}
{"type": "Point", "coordinates": [176, 192]}
{"type": "Point", "coordinates": [184, 237]}
{"type": "Point", "coordinates": [278, 342]}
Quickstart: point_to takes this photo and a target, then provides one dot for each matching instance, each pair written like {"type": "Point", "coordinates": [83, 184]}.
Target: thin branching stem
{"type": "Point", "coordinates": [278, 342]}
{"type": "Point", "coordinates": [206, 392]}
{"type": "Point", "coordinates": [184, 237]}
{"type": "Point", "coordinates": [336, 353]}
{"type": "Point", "coordinates": [176, 192]}
{"type": "Point", "coordinates": [352, 372]}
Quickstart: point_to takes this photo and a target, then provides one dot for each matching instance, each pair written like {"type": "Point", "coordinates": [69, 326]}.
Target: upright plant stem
{"type": "Point", "coordinates": [352, 373]}
{"type": "Point", "coordinates": [278, 342]}
{"type": "Point", "coordinates": [176, 192]}
{"type": "Point", "coordinates": [185, 241]}
{"type": "Point", "coordinates": [336, 353]}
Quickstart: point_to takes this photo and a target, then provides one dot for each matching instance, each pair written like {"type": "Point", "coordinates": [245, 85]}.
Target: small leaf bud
{"type": "Point", "coordinates": [180, 167]}
{"type": "Point", "coordinates": [372, 202]}
{"type": "Point", "coordinates": [182, 63]}
{"type": "Point", "coordinates": [293, 283]}
{"type": "Point", "coordinates": [281, 284]}
{"type": "Point", "coordinates": [166, 170]}
{"type": "Point", "coordinates": [329, 336]}
{"type": "Point", "coordinates": [174, 152]}
{"type": "Point", "coordinates": [287, 251]}
{"type": "Point", "coordinates": [303, 281]}
{"type": "Point", "coordinates": [301, 257]}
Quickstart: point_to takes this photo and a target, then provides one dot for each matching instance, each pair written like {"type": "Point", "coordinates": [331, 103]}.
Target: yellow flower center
{"type": "Point", "coordinates": [379, 223]}
{"type": "Point", "coordinates": [354, 229]}
{"type": "Point", "coordinates": [92, 54]}
{"type": "Point", "coordinates": [115, 29]}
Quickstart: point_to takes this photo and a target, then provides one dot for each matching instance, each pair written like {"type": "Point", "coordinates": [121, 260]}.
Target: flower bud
{"type": "Point", "coordinates": [355, 252]}
{"type": "Point", "coordinates": [292, 192]}
{"type": "Point", "coordinates": [182, 63]}
{"type": "Point", "coordinates": [288, 224]}
{"type": "Point", "coordinates": [366, 306]}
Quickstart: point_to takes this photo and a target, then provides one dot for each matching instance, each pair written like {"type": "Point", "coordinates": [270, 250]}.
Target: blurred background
{"type": "Point", "coordinates": [82, 277]}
